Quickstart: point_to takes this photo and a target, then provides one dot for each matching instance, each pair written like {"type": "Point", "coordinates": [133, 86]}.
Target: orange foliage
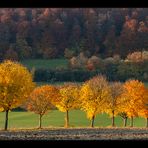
{"type": "Point", "coordinates": [135, 96]}
{"type": "Point", "coordinates": [42, 99]}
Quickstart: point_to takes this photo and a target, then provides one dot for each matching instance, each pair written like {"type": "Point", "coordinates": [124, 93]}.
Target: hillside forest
{"type": "Point", "coordinates": [30, 33]}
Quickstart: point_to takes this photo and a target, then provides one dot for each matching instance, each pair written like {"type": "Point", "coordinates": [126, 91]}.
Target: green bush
{"type": "Point", "coordinates": [77, 75]}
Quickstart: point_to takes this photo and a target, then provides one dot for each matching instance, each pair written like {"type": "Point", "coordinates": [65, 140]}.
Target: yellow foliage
{"type": "Point", "coordinates": [93, 96]}
{"type": "Point", "coordinates": [1, 109]}
{"type": "Point", "coordinates": [15, 84]}
{"type": "Point", "coordinates": [69, 97]}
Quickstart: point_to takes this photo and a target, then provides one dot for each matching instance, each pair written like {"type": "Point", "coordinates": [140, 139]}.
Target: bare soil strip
{"type": "Point", "coordinates": [77, 134]}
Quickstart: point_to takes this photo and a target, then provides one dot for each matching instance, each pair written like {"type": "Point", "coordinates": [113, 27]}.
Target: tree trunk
{"type": "Point", "coordinates": [113, 119]}
{"type": "Point", "coordinates": [92, 121]}
{"type": "Point", "coordinates": [67, 119]}
{"type": "Point", "coordinates": [131, 121]}
{"type": "Point", "coordinates": [146, 122]}
{"type": "Point", "coordinates": [6, 120]}
{"type": "Point", "coordinates": [40, 121]}
{"type": "Point", "coordinates": [141, 54]}
{"type": "Point", "coordinates": [125, 121]}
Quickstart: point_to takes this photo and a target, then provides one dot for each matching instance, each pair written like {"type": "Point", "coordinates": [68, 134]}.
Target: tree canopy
{"type": "Point", "coordinates": [16, 84]}
{"type": "Point", "coordinates": [52, 32]}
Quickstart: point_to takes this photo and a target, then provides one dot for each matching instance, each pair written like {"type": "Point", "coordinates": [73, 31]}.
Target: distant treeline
{"type": "Point", "coordinates": [113, 71]}
{"type": "Point", "coordinates": [52, 32]}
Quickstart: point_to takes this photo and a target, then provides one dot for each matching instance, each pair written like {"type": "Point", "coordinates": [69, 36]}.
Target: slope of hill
{"type": "Point", "coordinates": [54, 32]}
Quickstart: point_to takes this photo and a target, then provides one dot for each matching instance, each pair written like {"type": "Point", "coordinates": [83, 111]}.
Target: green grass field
{"type": "Point", "coordinates": [146, 84]}
{"type": "Point", "coordinates": [47, 83]}
{"type": "Point", "coordinates": [55, 83]}
{"type": "Point", "coordinates": [48, 64]}
{"type": "Point", "coordinates": [61, 83]}
{"type": "Point", "coordinates": [56, 119]}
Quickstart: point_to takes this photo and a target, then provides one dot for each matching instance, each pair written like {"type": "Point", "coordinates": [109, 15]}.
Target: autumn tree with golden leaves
{"type": "Point", "coordinates": [113, 103]}
{"type": "Point", "coordinates": [16, 84]}
{"type": "Point", "coordinates": [42, 99]}
{"type": "Point", "coordinates": [134, 98]}
{"type": "Point", "coordinates": [144, 111]}
{"type": "Point", "coordinates": [93, 96]}
{"type": "Point", "coordinates": [69, 98]}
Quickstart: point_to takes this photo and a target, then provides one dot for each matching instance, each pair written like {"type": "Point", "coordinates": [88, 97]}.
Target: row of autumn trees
{"type": "Point", "coordinates": [95, 96]}
{"type": "Point", "coordinates": [52, 32]}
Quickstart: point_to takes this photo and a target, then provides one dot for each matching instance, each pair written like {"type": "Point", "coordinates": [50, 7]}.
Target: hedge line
{"type": "Point", "coordinates": [113, 71]}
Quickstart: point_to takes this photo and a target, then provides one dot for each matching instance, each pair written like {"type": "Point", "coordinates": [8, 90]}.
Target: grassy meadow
{"type": "Point", "coordinates": [55, 118]}
{"type": "Point", "coordinates": [46, 83]}
{"type": "Point", "coordinates": [47, 64]}
{"type": "Point", "coordinates": [146, 84]}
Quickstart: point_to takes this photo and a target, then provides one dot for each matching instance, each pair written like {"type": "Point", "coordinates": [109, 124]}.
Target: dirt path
{"type": "Point", "coordinates": [77, 134]}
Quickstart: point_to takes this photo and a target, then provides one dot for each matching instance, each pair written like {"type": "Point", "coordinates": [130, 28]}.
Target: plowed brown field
{"type": "Point", "coordinates": [77, 134]}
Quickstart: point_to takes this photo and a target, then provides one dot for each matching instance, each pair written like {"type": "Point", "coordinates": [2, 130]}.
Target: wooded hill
{"type": "Point", "coordinates": [49, 32]}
